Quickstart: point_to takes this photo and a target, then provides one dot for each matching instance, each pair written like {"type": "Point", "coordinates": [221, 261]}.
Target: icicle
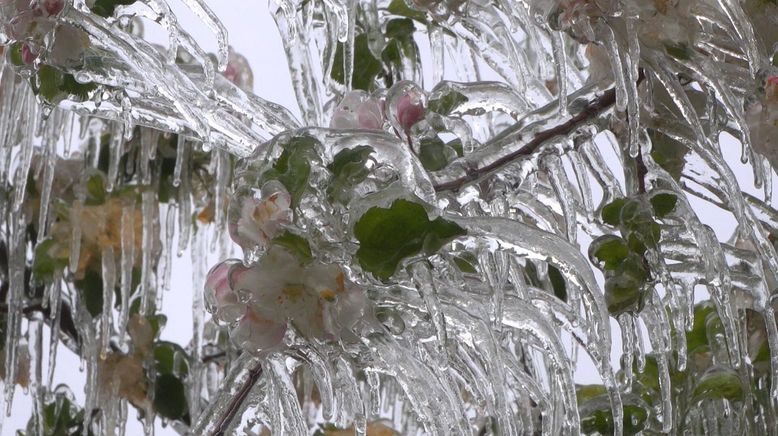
{"type": "Point", "coordinates": [292, 422]}
{"type": "Point", "coordinates": [199, 256]}
{"type": "Point", "coordinates": [582, 176]}
{"type": "Point", "coordinates": [374, 383]}
{"type": "Point", "coordinates": [438, 52]}
{"type": "Point", "coordinates": [37, 386]}
{"type": "Point", "coordinates": [115, 150]}
{"type": "Point", "coordinates": [109, 282]}
{"type": "Point", "coordinates": [322, 371]}
{"type": "Point", "coordinates": [181, 159]}
{"type": "Point", "coordinates": [222, 181]}
{"type": "Point", "coordinates": [627, 324]}
{"type": "Point", "coordinates": [304, 84]}
{"type": "Point", "coordinates": [423, 279]}
{"type": "Point", "coordinates": [49, 164]}
{"type": "Point", "coordinates": [560, 63]}
{"type": "Point", "coordinates": [167, 252]}
{"type": "Point", "coordinates": [54, 315]}
{"type": "Point", "coordinates": [348, 43]}
{"type": "Point", "coordinates": [29, 115]}
{"type": "Point", "coordinates": [184, 211]}
{"type": "Point", "coordinates": [204, 13]}
{"type": "Point", "coordinates": [564, 194]}
{"type": "Point", "coordinates": [75, 237]}
{"type": "Point", "coordinates": [126, 262]}
{"type": "Point", "coordinates": [633, 109]}
{"type": "Point", "coordinates": [148, 211]}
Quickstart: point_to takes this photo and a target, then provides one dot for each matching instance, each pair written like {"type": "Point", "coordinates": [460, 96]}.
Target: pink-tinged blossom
{"type": "Point", "coordinates": [358, 110]}
{"type": "Point", "coordinates": [406, 103]}
{"type": "Point", "coordinates": [315, 299]}
{"type": "Point", "coordinates": [51, 7]}
{"type": "Point", "coordinates": [33, 23]}
{"type": "Point", "coordinates": [255, 221]}
{"type": "Point", "coordinates": [220, 299]}
{"type": "Point", "coordinates": [238, 71]}
{"type": "Point", "coordinates": [762, 120]}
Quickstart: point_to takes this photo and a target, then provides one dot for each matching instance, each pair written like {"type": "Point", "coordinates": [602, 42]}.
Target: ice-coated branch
{"type": "Point", "coordinates": [223, 423]}
{"type": "Point", "coordinates": [587, 114]}
{"type": "Point", "coordinates": [593, 109]}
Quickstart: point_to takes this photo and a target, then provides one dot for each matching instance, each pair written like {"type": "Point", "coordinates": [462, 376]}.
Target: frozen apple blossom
{"type": "Point", "coordinates": [262, 300]}
{"type": "Point", "coordinates": [358, 110]}
{"type": "Point", "coordinates": [257, 216]}
{"type": "Point", "coordinates": [33, 24]}
{"type": "Point", "coordinates": [762, 119]}
{"type": "Point", "coordinates": [238, 71]}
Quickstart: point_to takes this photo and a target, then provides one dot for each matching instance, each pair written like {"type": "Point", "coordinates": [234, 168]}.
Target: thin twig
{"type": "Point", "coordinates": [237, 401]}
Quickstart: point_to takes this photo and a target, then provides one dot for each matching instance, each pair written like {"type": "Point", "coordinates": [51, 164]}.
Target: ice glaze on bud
{"type": "Point", "coordinates": [406, 103]}
{"type": "Point", "coordinates": [358, 110]}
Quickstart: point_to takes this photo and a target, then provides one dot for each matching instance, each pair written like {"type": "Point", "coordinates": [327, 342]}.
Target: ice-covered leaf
{"type": "Point", "coordinates": [719, 383]}
{"type": "Point", "coordinates": [366, 66]}
{"type": "Point", "coordinates": [447, 103]}
{"type": "Point", "coordinates": [295, 244]}
{"type": "Point", "coordinates": [388, 235]}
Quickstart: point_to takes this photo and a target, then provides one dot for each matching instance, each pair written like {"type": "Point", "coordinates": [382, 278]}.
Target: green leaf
{"type": "Point", "coordinates": [80, 91]}
{"type": "Point", "coordinates": [601, 421]}
{"type": "Point", "coordinates": [678, 50]}
{"type": "Point", "coordinates": [166, 354]}
{"type": "Point", "coordinates": [624, 287]}
{"type": "Point", "coordinates": [45, 264]}
{"type": "Point", "coordinates": [447, 103]}
{"type": "Point", "coordinates": [15, 53]}
{"type": "Point", "coordinates": [434, 154]}
{"type": "Point", "coordinates": [698, 336]}
{"type": "Point", "coordinates": [95, 190]}
{"type": "Point", "coordinates": [558, 283]}
{"type": "Point", "coordinates": [388, 235]}
{"type": "Point", "coordinates": [105, 8]}
{"type": "Point", "coordinates": [399, 28]}
{"type": "Point", "coordinates": [400, 45]}
{"type": "Point", "coordinates": [398, 7]}
{"type": "Point", "coordinates": [456, 145]}
{"type": "Point", "coordinates": [91, 287]}
{"type": "Point", "coordinates": [366, 66]}
{"type": "Point", "coordinates": [608, 250]}
{"type": "Point", "coordinates": [170, 397]}
{"type": "Point", "coordinates": [293, 166]}
{"type": "Point", "coordinates": [663, 204]}
{"type": "Point", "coordinates": [295, 244]}
{"type": "Point", "coordinates": [584, 393]}
{"type": "Point", "coordinates": [466, 262]}
{"type": "Point", "coordinates": [611, 212]}
{"type": "Point", "coordinates": [668, 153]}
{"type": "Point", "coordinates": [348, 168]}
{"type": "Point", "coordinates": [49, 81]}
{"type": "Point", "coordinates": [719, 383]}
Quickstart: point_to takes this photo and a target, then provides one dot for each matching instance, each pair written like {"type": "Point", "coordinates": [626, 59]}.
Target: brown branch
{"type": "Point", "coordinates": [592, 109]}
{"type": "Point", "coordinates": [237, 400]}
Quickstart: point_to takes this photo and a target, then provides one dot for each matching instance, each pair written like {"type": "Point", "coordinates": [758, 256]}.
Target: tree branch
{"type": "Point", "coordinates": [237, 400]}
{"type": "Point", "coordinates": [592, 109]}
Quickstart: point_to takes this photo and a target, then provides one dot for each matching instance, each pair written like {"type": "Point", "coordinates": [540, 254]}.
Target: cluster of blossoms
{"type": "Point", "coordinates": [33, 24]}
{"type": "Point", "coordinates": [260, 301]}
{"type": "Point", "coordinates": [400, 107]}
{"type": "Point", "coordinates": [762, 119]}
{"type": "Point", "coordinates": [660, 23]}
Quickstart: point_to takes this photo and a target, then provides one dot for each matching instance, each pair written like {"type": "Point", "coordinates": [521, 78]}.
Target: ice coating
{"type": "Point", "coordinates": [594, 101]}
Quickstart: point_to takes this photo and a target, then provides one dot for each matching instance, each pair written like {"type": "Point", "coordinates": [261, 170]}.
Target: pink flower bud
{"type": "Point", "coordinates": [28, 57]}
{"type": "Point", "coordinates": [358, 110]}
{"type": "Point", "coordinates": [407, 104]}
{"type": "Point", "coordinates": [52, 7]}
